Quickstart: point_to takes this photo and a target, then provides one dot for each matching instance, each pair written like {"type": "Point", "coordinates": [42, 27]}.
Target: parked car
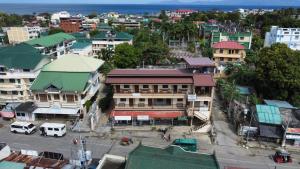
{"type": "Point", "coordinates": [282, 156]}
{"type": "Point", "coordinates": [22, 127]}
{"type": "Point", "coordinates": [53, 129]}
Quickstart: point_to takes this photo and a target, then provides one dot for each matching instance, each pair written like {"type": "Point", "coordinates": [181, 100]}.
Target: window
{"type": "Point", "coordinates": [12, 80]}
{"type": "Point", "coordinates": [19, 81]}
{"type": "Point", "coordinates": [286, 33]}
{"type": "Point", "coordinates": [49, 97]}
{"type": "Point", "coordinates": [122, 99]}
{"type": "Point", "coordinates": [14, 92]}
{"type": "Point", "coordinates": [31, 80]}
{"type": "Point", "coordinates": [165, 86]}
{"type": "Point", "coordinates": [229, 59]}
{"type": "Point", "coordinates": [236, 51]}
{"type": "Point", "coordinates": [296, 37]}
{"type": "Point", "coordinates": [76, 98]}
{"type": "Point", "coordinates": [221, 51]}
{"type": "Point", "coordinates": [43, 97]}
{"type": "Point", "coordinates": [145, 86]}
{"type": "Point", "coordinates": [142, 100]}
{"type": "Point", "coordinates": [184, 86]}
{"type": "Point", "coordinates": [126, 86]}
{"type": "Point", "coordinates": [50, 128]}
{"type": "Point", "coordinates": [64, 97]}
{"type": "Point", "coordinates": [26, 70]}
{"type": "Point", "coordinates": [221, 59]}
{"type": "Point", "coordinates": [242, 38]}
{"type": "Point", "coordinates": [70, 98]}
{"type": "Point", "coordinates": [296, 33]}
{"type": "Point", "coordinates": [3, 92]}
{"type": "Point", "coordinates": [1, 80]}
{"type": "Point", "coordinates": [56, 129]}
{"type": "Point", "coordinates": [21, 93]}
{"type": "Point", "coordinates": [56, 96]}
{"type": "Point", "coordinates": [179, 100]}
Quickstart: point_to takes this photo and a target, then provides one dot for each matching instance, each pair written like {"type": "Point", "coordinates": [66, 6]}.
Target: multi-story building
{"type": "Point", "coordinates": [64, 86]}
{"type": "Point", "coordinates": [19, 66]}
{"type": "Point", "coordinates": [227, 51]}
{"type": "Point", "coordinates": [110, 39]}
{"type": "Point", "coordinates": [53, 45]}
{"type": "Point", "coordinates": [71, 25]}
{"type": "Point", "coordinates": [83, 48]}
{"type": "Point", "coordinates": [55, 18]}
{"type": "Point", "coordinates": [161, 95]}
{"type": "Point", "coordinates": [22, 34]}
{"type": "Point", "coordinates": [127, 23]}
{"type": "Point", "coordinates": [288, 36]}
{"type": "Point", "coordinates": [244, 38]}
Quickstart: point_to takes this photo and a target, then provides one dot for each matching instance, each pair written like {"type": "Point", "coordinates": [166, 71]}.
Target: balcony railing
{"type": "Point", "coordinates": [146, 106]}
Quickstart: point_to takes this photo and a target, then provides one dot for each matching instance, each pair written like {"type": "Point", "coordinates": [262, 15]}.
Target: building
{"type": "Point", "coordinates": [200, 65]}
{"type": "Point", "coordinates": [109, 40]}
{"type": "Point", "coordinates": [2, 37]}
{"type": "Point", "coordinates": [53, 45]}
{"type": "Point", "coordinates": [55, 17]}
{"type": "Point", "coordinates": [206, 29]}
{"type": "Point", "coordinates": [19, 66]}
{"type": "Point", "coordinates": [227, 52]}
{"type": "Point", "coordinates": [288, 36]}
{"type": "Point", "coordinates": [24, 111]}
{"type": "Point", "coordinates": [65, 85]}
{"type": "Point", "coordinates": [83, 48]}
{"type": "Point", "coordinates": [71, 25]}
{"type": "Point", "coordinates": [158, 96]}
{"type": "Point", "coordinates": [104, 27]}
{"type": "Point", "coordinates": [22, 34]}
{"type": "Point", "coordinates": [172, 157]}
{"type": "Point", "coordinates": [244, 38]}
{"type": "Point", "coordinates": [126, 23]}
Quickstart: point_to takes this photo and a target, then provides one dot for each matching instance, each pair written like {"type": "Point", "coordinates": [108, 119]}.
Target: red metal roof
{"type": "Point", "coordinates": [152, 114]}
{"type": "Point", "coordinates": [147, 72]}
{"type": "Point", "coordinates": [228, 45]}
{"type": "Point", "coordinates": [200, 61]}
{"type": "Point", "coordinates": [149, 80]}
{"type": "Point", "coordinates": [203, 80]}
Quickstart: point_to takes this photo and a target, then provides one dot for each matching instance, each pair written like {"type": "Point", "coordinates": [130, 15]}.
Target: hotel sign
{"type": "Point", "coordinates": [192, 97]}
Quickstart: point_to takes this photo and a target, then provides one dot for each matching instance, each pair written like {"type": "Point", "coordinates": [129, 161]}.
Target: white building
{"type": "Point", "coordinates": [22, 34]}
{"type": "Point", "coordinates": [55, 18]}
{"type": "Point", "coordinates": [82, 48]}
{"type": "Point", "coordinates": [288, 36]}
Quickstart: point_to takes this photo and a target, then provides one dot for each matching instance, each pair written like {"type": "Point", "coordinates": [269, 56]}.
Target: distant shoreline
{"type": "Point", "coordinates": [30, 8]}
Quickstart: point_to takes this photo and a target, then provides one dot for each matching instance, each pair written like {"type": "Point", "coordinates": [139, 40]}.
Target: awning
{"type": "Point", "coordinates": [64, 111]}
{"type": "Point", "coordinates": [154, 114]}
{"type": "Point", "coordinates": [127, 118]}
{"type": "Point", "coordinates": [271, 131]}
{"type": "Point", "coordinates": [7, 114]}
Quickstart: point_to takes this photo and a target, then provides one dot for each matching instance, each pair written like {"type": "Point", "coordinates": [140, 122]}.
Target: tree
{"type": "Point", "coordinates": [93, 15]}
{"type": "Point", "coordinates": [278, 73]}
{"type": "Point", "coordinates": [257, 43]}
{"type": "Point", "coordinates": [106, 55]}
{"type": "Point", "coordinates": [126, 56]}
{"type": "Point", "coordinates": [55, 30]}
{"type": "Point", "coordinates": [93, 33]}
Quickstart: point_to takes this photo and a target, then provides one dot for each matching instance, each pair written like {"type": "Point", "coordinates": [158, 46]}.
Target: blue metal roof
{"type": "Point", "coordinates": [11, 165]}
{"type": "Point", "coordinates": [268, 114]}
{"type": "Point", "coordinates": [279, 103]}
{"type": "Point", "coordinates": [80, 45]}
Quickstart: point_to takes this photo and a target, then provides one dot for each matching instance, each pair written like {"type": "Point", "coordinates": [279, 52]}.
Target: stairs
{"type": "Point", "coordinates": [201, 116]}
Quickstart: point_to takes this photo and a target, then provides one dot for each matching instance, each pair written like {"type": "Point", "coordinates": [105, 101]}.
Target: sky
{"type": "Point", "coordinates": [198, 2]}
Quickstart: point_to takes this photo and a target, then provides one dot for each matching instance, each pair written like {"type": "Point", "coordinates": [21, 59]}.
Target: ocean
{"type": "Point", "coordinates": [125, 9]}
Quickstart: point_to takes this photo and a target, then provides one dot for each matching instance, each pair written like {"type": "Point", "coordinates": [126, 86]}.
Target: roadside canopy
{"type": "Point", "coordinates": [57, 111]}
{"type": "Point", "coordinates": [144, 114]}
{"type": "Point", "coordinates": [271, 131]}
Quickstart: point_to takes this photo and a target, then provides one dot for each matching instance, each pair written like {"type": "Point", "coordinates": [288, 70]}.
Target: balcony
{"type": "Point", "coordinates": [144, 106]}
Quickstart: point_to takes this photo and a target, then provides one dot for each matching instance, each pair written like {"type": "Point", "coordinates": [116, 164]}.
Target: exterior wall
{"type": "Point", "coordinates": [228, 55]}
{"type": "Point", "coordinates": [243, 38]}
{"type": "Point", "coordinates": [288, 36]}
{"type": "Point", "coordinates": [58, 49]}
{"type": "Point", "coordinates": [127, 25]}
{"type": "Point", "coordinates": [87, 51]}
{"type": "Point", "coordinates": [71, 26]}
{"type": "Point", "coordinates": [22, 34]}
{"type": "Point", "coordinates": [103, 44]}
{"type": "Point", "coordinates": [15, 85]}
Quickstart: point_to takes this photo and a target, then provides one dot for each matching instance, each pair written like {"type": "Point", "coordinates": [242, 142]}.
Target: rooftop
{"type": "Point", "coordinates": [20, 56]}
{"type": "Point", "coordinates": [26, 107]}
{"type": "Point", "coordinates": [117, 35]}
{"type": "Point", "coordinates": [199, 62]}
{"type": "Point", "coordinates": [172, 157]}
{"type": "Point", "coordinates": [11, 165]}
{"type": "Point", "coordinates": [51, 40]}
{"type": "Point", "coordinates": [81, 45]}
{"type": "Point", "coordinates": [268, 114]}
{"type": "Point", "coordinates": [73, 63]}
{"type": "Point", "coordinates": [228, 45]}
{"type": "Point", "coordinates": [279, 103]}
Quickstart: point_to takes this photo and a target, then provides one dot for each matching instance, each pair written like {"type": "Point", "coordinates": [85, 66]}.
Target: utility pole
{"type": "Point", "coordinates": [285, 131]}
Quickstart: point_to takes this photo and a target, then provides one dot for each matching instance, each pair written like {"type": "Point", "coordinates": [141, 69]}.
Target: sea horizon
{"type": "Point", "coordinates": [151, 8]}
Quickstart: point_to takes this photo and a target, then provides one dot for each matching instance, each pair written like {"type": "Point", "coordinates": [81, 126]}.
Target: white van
{"type": "Point", "coordinates": [53, 129]}
{"type": "Point", "coordinates": [22, 127]}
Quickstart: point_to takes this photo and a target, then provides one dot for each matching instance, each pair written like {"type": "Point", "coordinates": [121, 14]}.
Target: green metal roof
{"type": "Point", "coordinates": [268, 114]}
{"type": "Point", "coordinates": [118, 36]}
{"type": "Point", "coordinates": [172, 157]}
{"type": "Point", "coordinates": [51, 40]}
{"type": "Point", "coordinates": [21, 56]}
{"type": "Point", "coordinates": [12, 165]}
{"type": "Point", "coordinates": [185, 141]}
{"type": "Point", "coordinates": [81, 45]}
{"type": "Point", "coordinates": [104, 26]}
{"type": "Point", "coordinates": [63, 81]}
{"type": "Point", "coordinates": [74, 63]}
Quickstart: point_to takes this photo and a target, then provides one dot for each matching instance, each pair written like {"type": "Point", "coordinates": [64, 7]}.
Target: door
{"type": "Point", "coordinates": [150, 102]}
{"type": "Point", "coordinates": [118, 88]}
{"type": "Point", "coordinates": [175, 88]}
{"type": "Point", "coordinates": [155, 89]}
{"type": "Point", "coordinates": [131, 102]}
{"type": "Point", "coordinates": [136, 89]}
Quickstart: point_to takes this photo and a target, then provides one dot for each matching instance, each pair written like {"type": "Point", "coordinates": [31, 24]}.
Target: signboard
{"type": "Point", "coordinates": [291, 136]}
{"type": "Point", "coordinates": [143, 118]}
{"type": "Point", "coordinates": [136, 94]}
{"type": "Point", "coordinates": [127, 118]}
{"type": "Point", "coordinates": [192, 97]}
{"type": "Point", "coordinates": [293, 130]}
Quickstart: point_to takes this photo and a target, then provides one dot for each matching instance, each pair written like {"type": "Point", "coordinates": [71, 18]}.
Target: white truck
{"type": "Point", "coordinates": [53, 129]}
